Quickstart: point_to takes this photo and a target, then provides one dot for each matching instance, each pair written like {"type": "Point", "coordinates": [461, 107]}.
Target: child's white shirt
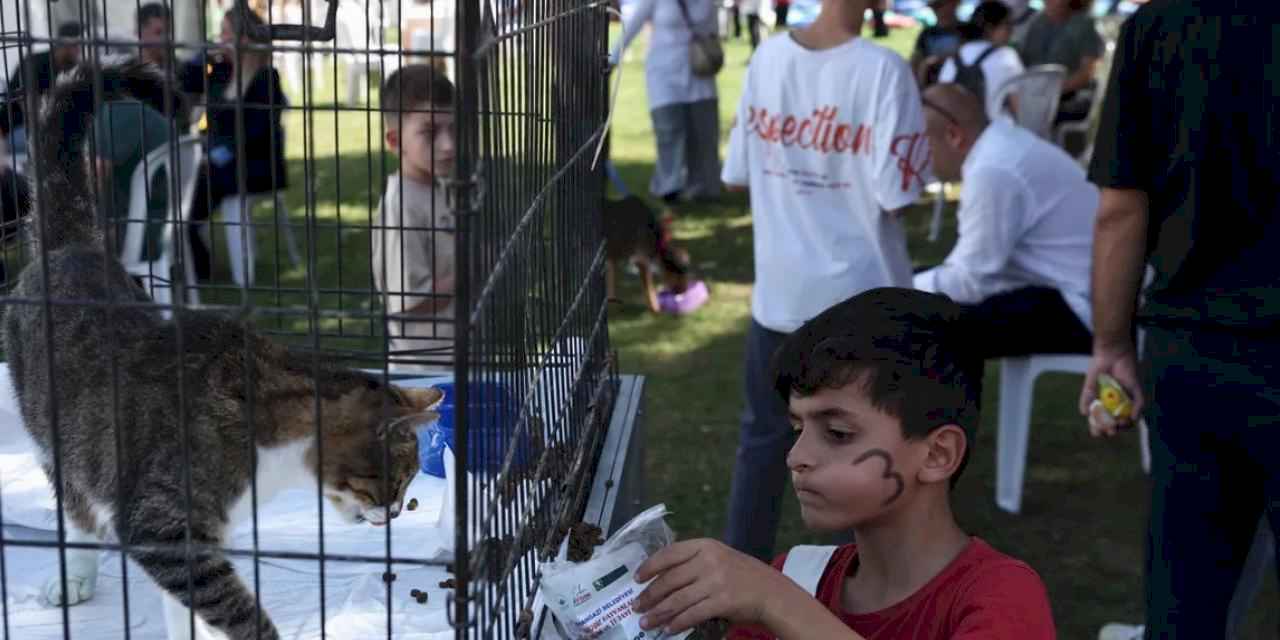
{"type": "Point", "coordinates": [413, 248]}
{"type": "Point", "coordinates": [828, 142]}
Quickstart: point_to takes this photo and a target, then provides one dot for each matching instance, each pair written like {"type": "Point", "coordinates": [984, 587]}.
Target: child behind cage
{"type": "Point", "coordinates": [413, 240]}
{"type": "Point", "coordinates": [883, 396]}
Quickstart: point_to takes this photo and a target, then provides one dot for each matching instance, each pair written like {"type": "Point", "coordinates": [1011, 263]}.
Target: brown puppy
{"type": "Point", "coordinates": [632, 231]}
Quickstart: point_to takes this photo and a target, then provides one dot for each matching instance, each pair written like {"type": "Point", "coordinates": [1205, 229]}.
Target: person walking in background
{"type": "Point", "coordinates": [829, 166]}
{"type": "Point", "coordinates": [878, 9]}
{"type": "Point", "coordinates": [751, 8]}
{"type": "Point", "coordinates": [780, 9]}
{"type": "Point", "coordinates": [682, 105]}
{"type": "Point", "coordinates": [1186, 158]}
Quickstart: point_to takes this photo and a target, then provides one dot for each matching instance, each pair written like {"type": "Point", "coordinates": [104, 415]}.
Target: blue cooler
{"type": "Point", "coordinates": [491, 414]}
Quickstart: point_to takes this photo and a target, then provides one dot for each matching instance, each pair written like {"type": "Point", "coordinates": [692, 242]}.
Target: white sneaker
{"type": "Point", "coordinates": [1118, 631]}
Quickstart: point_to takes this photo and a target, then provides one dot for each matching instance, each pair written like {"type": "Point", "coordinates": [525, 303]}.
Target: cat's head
{"type": "Point", "coordinates": [371, 459]}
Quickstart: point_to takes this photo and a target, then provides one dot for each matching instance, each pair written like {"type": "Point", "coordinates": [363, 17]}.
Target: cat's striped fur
{"type": "Point", "coordinates": [149, 410]}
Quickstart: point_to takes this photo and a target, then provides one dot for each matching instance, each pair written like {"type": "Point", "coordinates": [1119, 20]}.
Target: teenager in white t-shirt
{"type": "Point", "coordinates": [829, 140]}
{"type": "Point", "coordinates": [986, 37]}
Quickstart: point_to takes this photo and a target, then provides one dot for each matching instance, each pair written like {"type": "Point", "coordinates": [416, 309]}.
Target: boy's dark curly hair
{"type": "Point", "coordinates": [905, 349]}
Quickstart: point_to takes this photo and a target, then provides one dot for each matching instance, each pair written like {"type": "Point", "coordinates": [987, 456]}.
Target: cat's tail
{"type": "Point", "coordinates": [64, 205]}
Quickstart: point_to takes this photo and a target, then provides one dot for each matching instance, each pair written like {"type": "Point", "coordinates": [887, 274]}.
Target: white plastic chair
{"type": "Point", "coordinates": [1089, 126]}
{"type": "Point", "coordinates": [1017, 384]}
{"type": "Point", "coordinates": [157, 274]}
{"type": "Point", "coordinates": [1038, 91]}
{"type": "Point", "coordinates": [940, 200]}
{"type": "Point", "coordinates": [237, 216]}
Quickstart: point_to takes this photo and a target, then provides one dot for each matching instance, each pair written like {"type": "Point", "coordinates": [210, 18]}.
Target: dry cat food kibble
{"type": "Point", "coordinates": [388, 576]}
{"type": "Point", "coordinates": [525, 624]}
{"type": "Point", "coordinates": [449, 584]}
{"type": "Point", "coordinates": [413, 503]}
{"type": "Point", "coordinates": [713, 629]}
{"type": "Point", "coordinates": [420, 596]}
{"type": "Point", "coordinates": [584, 537]}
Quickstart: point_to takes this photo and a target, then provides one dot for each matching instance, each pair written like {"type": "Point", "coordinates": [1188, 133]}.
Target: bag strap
{"type": "Point", "coordinates": [977, 62]}
{"type": "Point", "coordinates": [684, 9]}
{"type": "Point", "coordinates": [990, 50]}
{"type": "Point", "coordinates": [805, 565]}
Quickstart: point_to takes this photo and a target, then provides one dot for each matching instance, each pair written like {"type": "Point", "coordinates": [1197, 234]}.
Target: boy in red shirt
{"type": "Point", "coordinates": [883, 396]}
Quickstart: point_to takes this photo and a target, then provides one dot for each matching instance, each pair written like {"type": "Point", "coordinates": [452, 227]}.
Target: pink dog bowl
{"type": "Point", "coordinates": [681, 303]}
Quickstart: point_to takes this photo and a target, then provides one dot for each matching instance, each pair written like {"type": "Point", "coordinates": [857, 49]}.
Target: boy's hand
{"type": "Point", "coordinates": [698, 580]}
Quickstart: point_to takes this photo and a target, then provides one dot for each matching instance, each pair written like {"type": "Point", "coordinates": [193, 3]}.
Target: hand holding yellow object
{"type": "Point", "coordinates": [1113, 397]}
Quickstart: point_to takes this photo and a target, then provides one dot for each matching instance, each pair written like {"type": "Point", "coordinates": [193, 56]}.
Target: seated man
{"type": "Point", "coordinates": [1064, 33]}
{"type": "Point", "coordinates": [126, 131]}
{"type": "Point", "coordinates": [1021, 265]}
{"type": "Point", "coordinates": [44, 67]}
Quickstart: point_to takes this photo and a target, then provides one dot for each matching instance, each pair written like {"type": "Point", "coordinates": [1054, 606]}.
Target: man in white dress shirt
{"type": "Point", "coordinates": [1021, 264]}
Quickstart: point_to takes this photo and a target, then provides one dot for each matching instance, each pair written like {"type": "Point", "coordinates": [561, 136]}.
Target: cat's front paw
{"type": "Point", "coordinates": [79, 589]}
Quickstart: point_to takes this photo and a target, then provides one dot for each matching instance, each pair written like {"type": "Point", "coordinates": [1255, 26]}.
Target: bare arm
{"type": "Point", "coordinates": [1119, 240]}
{"type": "Point", "coordinates": [1082, 76]}
{"type": "Point", "coordinates": [442, 298]}
{"type": "Point", "coordinates": [1119, 244]}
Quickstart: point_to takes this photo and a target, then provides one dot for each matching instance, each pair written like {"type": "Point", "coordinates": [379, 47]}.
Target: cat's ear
{"type": "Point", "coordinates": [423, 399]}
{"type": "Point", "coordinates": [417, 424]}
{"type": "Point", "coordinates": [408, 426]}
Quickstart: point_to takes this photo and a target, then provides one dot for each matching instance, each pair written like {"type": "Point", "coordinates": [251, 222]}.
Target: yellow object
{"type": "Point", "coordinates": [1113, 397]}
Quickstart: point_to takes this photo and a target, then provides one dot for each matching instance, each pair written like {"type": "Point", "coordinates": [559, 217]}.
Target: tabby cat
{"type": "Point", "coordinates": [148, 411]}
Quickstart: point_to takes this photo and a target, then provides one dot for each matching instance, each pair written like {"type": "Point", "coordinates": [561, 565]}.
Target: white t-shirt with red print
{"type": "Point", "coordinates": [828, 142]}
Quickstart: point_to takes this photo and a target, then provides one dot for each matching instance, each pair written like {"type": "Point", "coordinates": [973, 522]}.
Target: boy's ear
{"type": "Point", "coordinates": [393, 139]}
{"type": "Point", "coordinates": [946, 448]}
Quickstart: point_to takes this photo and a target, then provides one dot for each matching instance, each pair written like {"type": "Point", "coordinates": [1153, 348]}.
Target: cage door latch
{"type": "Point", "coordinates": [467, 191]}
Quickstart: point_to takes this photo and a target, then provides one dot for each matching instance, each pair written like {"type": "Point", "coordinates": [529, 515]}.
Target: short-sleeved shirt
{"type": "Point", "coordinates": [126, 131]}
{"type": "Point", "coordinates": [1190, 118]}
{"type": "Point", "coordinates": [825, 161]}
{"type": "Point", "coordinates": [413, 260]}
{"type": "Point", "coordinates": [1067, 43]}
{"type": "Point", "coordinates": [981, 595]}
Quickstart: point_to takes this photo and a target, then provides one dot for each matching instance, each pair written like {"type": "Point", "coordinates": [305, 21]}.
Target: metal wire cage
{"type": "Point", "coordinates": [270, 210]}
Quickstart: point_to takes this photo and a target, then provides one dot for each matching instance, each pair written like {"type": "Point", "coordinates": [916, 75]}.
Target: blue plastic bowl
{"type": "Point", "coordinates": [491, 415]}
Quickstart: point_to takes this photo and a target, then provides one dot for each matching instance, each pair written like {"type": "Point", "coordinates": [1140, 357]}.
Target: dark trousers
{"type": "Point", "coordinates": [881, 29]}
{"type": "Point", "coordinates": [781, 12]}
{"type": "Point", "coordinates": [1023, 322]}
{"type": "Point", "coordinates": [760, 466]}
{"type": "Point", "coordinates": [205, 199]}
{"type": "Point", "coordinates": [753, 29]}
{"type": "Point", "coordinates": [1214, 419]}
